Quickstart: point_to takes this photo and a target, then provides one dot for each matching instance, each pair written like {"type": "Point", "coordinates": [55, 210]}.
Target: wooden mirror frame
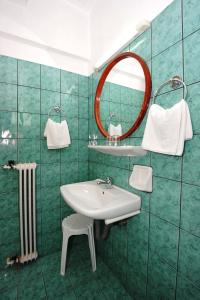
{"type": "Point", "coordinates": [147, 93]}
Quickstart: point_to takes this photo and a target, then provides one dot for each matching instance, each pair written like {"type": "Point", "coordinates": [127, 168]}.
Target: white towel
{"type": "Point", "coordinates": [115, 130]}
{"type": "Point", "coordinates": [167, 129]}
{"type": "Point", "coordinates": [141, 178]}
{"type": "Point", "coordinates": [57, 134]}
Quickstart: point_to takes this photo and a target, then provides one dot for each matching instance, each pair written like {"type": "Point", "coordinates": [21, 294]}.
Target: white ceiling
{"type": "Point", "coordinates": [84, 6]}
{"type": "Point", "coordinates": [20, 2]}
{"type": "Point", "coordinates": [71, 34]}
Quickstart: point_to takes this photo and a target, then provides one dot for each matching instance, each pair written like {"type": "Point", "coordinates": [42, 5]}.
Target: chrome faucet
{"type": "Point", "coordinates": [107, 182]}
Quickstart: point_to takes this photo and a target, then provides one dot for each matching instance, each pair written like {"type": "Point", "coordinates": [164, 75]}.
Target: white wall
{"type": "Point", "coordinates": [46, 31]}
{"type": "Point", "coordinates": [115, 23]}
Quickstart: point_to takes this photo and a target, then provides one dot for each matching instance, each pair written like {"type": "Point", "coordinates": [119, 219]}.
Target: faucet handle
{"type": "Point", "coordinates": [109, 179]}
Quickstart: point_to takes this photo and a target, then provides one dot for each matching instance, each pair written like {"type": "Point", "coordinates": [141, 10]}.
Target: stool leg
{"type": "Point", "coordinates": [64, 253]}
{"type": "Point", "coordinates": [92, 247]}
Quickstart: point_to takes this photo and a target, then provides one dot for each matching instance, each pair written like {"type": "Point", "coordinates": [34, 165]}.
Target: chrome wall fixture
{"type": "Point", "coordinates": [175, 82]}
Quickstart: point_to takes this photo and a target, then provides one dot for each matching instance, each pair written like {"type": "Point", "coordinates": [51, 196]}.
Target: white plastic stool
{"type": "Point", "coordinates": [77, 224]}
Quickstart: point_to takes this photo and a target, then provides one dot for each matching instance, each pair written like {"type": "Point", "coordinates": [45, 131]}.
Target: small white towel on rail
{"type": "Point", "coordinates": [115, 130]}
{"type": "Point", "coordinates": [57, 134]}
{"type": "Point", "coordinates": [167, 129]}
{"type": "Point", "coordinates": [141, 178]}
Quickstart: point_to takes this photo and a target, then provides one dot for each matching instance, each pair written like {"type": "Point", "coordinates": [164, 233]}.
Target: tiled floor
{"type": "Point", "coordinates": [41, 280]}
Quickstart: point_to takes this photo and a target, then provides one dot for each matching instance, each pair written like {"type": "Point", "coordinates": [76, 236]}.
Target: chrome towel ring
{"type": "Point", "coordinates": [175, 82]}
{"type": "Point", "coordinates": [55, 108]}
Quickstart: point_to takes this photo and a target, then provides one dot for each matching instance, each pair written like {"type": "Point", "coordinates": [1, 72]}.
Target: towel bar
{"type": "Point", "coordinates": [175, 82]}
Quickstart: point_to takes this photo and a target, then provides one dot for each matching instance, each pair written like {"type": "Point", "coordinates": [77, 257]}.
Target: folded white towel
{"type": "Point", "coordinates": [57, 134]}
{"type": "Point", "coordinates": [167, 129]}
{"type": "Point", "coordinates": [115, 130]}
{"type": "Point", "coordinates": [141, 178]}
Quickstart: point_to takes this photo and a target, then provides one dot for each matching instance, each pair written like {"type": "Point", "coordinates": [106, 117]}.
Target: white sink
{"type": "Point", "coordinates": [120, 150]}
{"type": "Point", "coordinates": [98, 202]}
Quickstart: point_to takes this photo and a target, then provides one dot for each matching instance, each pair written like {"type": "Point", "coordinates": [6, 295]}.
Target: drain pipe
{"type": "Point", "coordinates": [101, 234]}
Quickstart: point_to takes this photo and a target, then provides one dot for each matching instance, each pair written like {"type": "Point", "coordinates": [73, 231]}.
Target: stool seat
{"type": "Point", "coordinates": [77, 224]}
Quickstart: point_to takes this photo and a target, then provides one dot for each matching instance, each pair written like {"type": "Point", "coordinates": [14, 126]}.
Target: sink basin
{"type": "Point", "coordinates": [98, 202]}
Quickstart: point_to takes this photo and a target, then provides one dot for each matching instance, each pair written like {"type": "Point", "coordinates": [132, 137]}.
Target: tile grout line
{"type": "Point", "coordinates": [181, 187]}
{"type": "Point", "coordinates": [148, 253]}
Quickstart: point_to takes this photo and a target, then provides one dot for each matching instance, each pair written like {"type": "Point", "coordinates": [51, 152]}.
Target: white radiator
{"type": "Point", "coordinates": [27, 211]}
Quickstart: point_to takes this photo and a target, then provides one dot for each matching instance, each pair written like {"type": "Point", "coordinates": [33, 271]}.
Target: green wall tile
{"type": "Point", "coordinates": [190, 206]}
{"type": "Point", "coordinates": [29, 150]}
{"type": "Point", "coordinates": [165, 199]}
{"type": "Point", "coordinates": [166, 166]}
{"type": "Point", "coordinates": [69, 82]}
{"type": "Point", "coordinates": [186, 289]}
{"type": "Point", "coordinates": [191, 16]}
{"type": "Point", "coordinates": [83, 107]}
{"type": "Point", "coordinates": [138, 228]}
{"type": "Point", "coordinates": [142, 45]}
{"type": "Point", "coordinates": [70, 153]}
{"type": "Point", "coordinates": [50, 78]}
{"type": "Point", "coordinates": [82, 150]}
{"type": "Point", "coordinates": [8, 180]}
{"type": "Point", "coordinates": [83, 129]}
{"type": "Point", "coordinates": [191, 58]}
{"type": "Point", "coordinates": [28, 99]}
{"type": "Point", "coordinates": [50, 198]}
{"type": "Point", "coordinates": [194, 106]}
{"type": "Point", "coordinates": [69, 172]}
{"type": "Point", "coordinates": [8, 205]}
{"type": "Point", "coordinates": [171, 62]}
{"type": "Point", "coordinates": [9, 230]}
{"type": "Point", "coordinates": [49, 155]}
{"type": "Point", "coordinates": [50, 175]}
{"type": "Point", "coordinates": [8, 97]}
{"type": "Point", "coordinates": [8, 69]}
{"type": "Point", "coordinates": [161, 279]}
{"type": "Point", "coordinates": [169, 21]}
{"type": "Point", "coordinates": [83, 171]}
{"type": "Point", "coordinates": [191, 161]}
{"type": "Point", "coordinates": [8, 124]}
{"type": "Point", "coordinates": [28, 125]}
{"type": "Point", "coordinates": [50, 220]}
{"type": "Point", "coordinates": [115, 92]}
{"type": "Point", "coordinates": [83, 86]}
{"type": "Point", "coordinates": [49, 99]}
{"type": "Point", "coordinates": [73, 124]}
{"type": "Point", "coordinates": [69, 104]}
{"type": "Point", "coordinates": [164, 240]}
{"type": "Point", "coordinates": [8, 150]}
{"type": "Point", "coordinates": [28, 73]}
{"type": "Point", "coordinates": [189, 257]}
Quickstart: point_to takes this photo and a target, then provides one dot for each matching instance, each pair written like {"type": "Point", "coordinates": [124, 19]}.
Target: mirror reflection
{"type": "Point", "coordinates": [122, 96]}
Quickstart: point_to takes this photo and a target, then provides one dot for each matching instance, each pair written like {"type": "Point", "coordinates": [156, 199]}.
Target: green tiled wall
{"type": "Point", "coordinates": [27, 91]}
{"type": "Point", "coordinates": [157, 255]}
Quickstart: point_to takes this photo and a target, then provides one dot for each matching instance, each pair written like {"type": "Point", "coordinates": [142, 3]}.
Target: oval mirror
{"type": "Point", "coordinates": [122, 96]}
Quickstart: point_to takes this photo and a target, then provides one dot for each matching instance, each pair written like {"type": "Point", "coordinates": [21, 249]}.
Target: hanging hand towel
{"type": "Point", "coordinates": [141, 178]}
{"type": "Point", "coordinates": [115, 130]}
{"type": "Point", "coordinates": [167, 129]}
{"type": "Point", "coordinates": [57, 134]}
